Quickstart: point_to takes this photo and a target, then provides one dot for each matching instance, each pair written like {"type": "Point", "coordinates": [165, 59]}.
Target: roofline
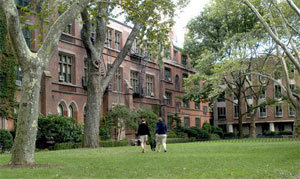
{"type": "Point", "coordinates": [114, 20]}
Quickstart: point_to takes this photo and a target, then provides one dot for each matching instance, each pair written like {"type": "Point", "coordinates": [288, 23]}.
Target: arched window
{"type": "Point", "coordinates": [60, 110]}
{"type": "Point", "coordinates": [70, 111]}
{"type": "Point", "coordinates": [177, 85]}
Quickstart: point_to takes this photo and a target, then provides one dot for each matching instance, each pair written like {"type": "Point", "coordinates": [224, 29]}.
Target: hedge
{"type": "Point", "coordinates": [6, 140]}
{"type": "Point", "coordinates": [110, 143]}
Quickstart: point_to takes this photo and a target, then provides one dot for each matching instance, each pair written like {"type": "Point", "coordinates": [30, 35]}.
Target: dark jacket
{"type": "Point", "coordinates": [143, 129]}
{"type": "Point", "coordinates": [161, 128]}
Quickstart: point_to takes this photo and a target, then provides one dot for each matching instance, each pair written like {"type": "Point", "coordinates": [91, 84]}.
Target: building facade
{"type": "Point", "coordinates": [275, 118]}
{"type": "Point", "coordinates": [138, 83]}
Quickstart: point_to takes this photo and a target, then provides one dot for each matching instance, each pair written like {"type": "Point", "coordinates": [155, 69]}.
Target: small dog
{"type": "Point", "coordinates": [153, 145]}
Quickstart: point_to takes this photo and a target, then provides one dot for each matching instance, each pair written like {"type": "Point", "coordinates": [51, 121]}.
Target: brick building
{"type": "Point", "coordinates": [139, 82]}
{"type": "Point", "coordinates": [275, 118]}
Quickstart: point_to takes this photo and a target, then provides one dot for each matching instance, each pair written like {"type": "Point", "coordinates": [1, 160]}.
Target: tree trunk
{"type": "Point", "coordinates": [297, 122]}
{"type": "Point", "coordinates": [27, 124]}
{"type": "Point", "coordinates": [241, 133]}
{"type": "Point", "coordinates": [252, 132]}
{"type": "Point", "coordinates": [94, 104]}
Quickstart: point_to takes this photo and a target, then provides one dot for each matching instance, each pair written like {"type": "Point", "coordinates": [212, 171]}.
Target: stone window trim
{"type": "Point", "coordinates": [134, 80]}
{"type": "Point", "coordinates": [66, 70]}
{"type": "Point", "coordinates": [150, 85]}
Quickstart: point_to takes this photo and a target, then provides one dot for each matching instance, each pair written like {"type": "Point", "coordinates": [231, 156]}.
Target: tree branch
{"type": "Point", "coordinates": [294, 7]}
{"type": "Point", "coordinates": [14, 29]}
{"type": "Point", "coordinates": [52, 38]}
{"type": "Point", "coordinates": [121, 56]}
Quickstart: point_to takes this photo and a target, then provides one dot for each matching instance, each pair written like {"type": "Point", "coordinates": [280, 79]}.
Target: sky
{"type": "Point", "coordinates": [190, 11]}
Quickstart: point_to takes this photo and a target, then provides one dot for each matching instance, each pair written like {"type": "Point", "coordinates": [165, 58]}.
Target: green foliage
{"type": "Point", "coordinates": [151, 119]}
{"type": "Point", "coordinates": [230, 135]}
{"type": "Point", "coordinates": [285, 133]}
{"type": "Point", "coordinates": [54, 129]}
{"type": "Point", "coordinates": [67, 145]}
{"type": "Point", "coordinates": [214, 137]}
{"type": "Point", "coordinates": [197, 133]}
{"type": "Point", "coordinates": [270, 133]}
{"type": "Point", "coordinates": [110, 143]}
{"type": "Point", "coordinates": [6, 140]}
{"type": "Point", "coordinates": [8, 65]}
{"type": "Point", "coordinates": [207, 127]}
{"type": "Point", "coordinates": [218, 131]}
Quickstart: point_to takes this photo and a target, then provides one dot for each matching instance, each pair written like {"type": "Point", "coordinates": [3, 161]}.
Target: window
{"type": "Point", "coordinates": [69, 29]}
{"type": "Point", "coordinates": [236, 111]}
{"type": "Point", "coordinates": [169, 98]}
{"type": "Point", "coordinates": [108, 41]}
{"type": "Point", "coordinates": [85, 68]}
{"type": "Point", "coordinates": [70, 111]}
{"type": "Point", "coordinates": [183, 59]}
{"type": "Point", "coordinates": [168, 74]}
{"type": "Point", "coordinates": [197, 121]}
{"type": "Point", "coordinates": [134, 47]}
{"type": "Point", "coordinates": [221, 112]}
{"type": "Point", "coordinates": [186, 122]}
{"type": "Point", "coordinates": [262, 93]}
{"type": "Point", "coordinates": [277, 91]}
{"type": "Point", "coordinates": [262, 111]}
{"type": "Point", "coordinates": [23, 3]}
{"type": "Point", "coordinates": [177, 85]}
{"type": "Point", "coordinates": [3, 123]}
{"type": "Point", "coordinates": [292, 87]}
{"type": "Point", "coordinates": [65, 68]}
{"type": "Point", "coordinates": [134, 81]}
{"type": "Point", "coordinates": [204, 109]}
{"type": "Point", "coordinates": [292, 111]}
{"type": "Point", "coordinates": [249, 110]}
{"type": "Point", "coordinates": [19, 76]}
{"type": "Point", "coordinates": [175, 55]}
{"type": "Point", "coordinates": [291, 71]}
{"type": "Point", "coordinates": [197, 105]}
{"type": "Point", "coordinates": [169, 122]}
{"type": "Point", "coordinates": [277, 75]}
{"type": "Point", "coordinates": [186, 103]}
{"type": "Point", "coordinates": [221, 97]}
{"type": "Point", "coordinates": [278, 110]}
{"type": "Point", "coordinates": [60, 110]}
{"type": "Point", "coordinates": [149, 85]}
{"type": "Point", "coordinates": [249, 97]}
{"type": "Point", "coordinates": [27, 36]}
{"type": "Point", "coordinates": [118, 79]}
{"type": "Point", "coordinates": [177, 107]}
{"type": "Point", "coordinates": [262, 79]}
{"type": "Point", "coordinates": [184, 75]}
{"type": "Point", "coordinates": [117, 40]}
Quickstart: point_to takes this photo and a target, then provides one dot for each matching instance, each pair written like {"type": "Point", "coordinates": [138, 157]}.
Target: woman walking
{"type": "Point", "coordinates": [161, 134]}
{"type": "Point", "coordinates": [143, 132]}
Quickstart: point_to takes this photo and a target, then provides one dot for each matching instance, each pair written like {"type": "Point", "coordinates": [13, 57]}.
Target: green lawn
{"type": "Point", "coordinates": [219, 159]}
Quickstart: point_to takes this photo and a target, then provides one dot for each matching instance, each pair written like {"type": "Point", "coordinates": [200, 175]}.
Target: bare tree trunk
{"type": "Point", "coordinates": [94, 104]}
{"type": "Point", "coordinates": [241, 132]}
{"type": "Point", "coordinates": [252, 133]}
{"type": "Point", "coordinates": [24, 144]}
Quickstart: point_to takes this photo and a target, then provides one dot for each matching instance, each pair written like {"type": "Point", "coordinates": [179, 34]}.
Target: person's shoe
{"type": "Point", "coordinates": [143, 151]}
{"type": "Point", "coordinates": [165, 150]}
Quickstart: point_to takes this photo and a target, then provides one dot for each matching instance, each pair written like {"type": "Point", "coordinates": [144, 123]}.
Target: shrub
{"type": "Point", "coordinates": [270, 133]}
{"type": "Point", "coordinates": [230, 135]}
{"type": "Point", "coordinates": [197, 133]}
{"type": "Point", "coordinates": [178, 140]}
{"type": "Point", "coordinates": [285, 133]}
{"type": "Point", "coordinates": [172, 134]}
{"type": "Point", "coordinates": [6, 140]}
{"type": "Point", "coordinates": [218, 131]}
{"type": "Point", "coordinates": [207, 127]}
{"type": "Point", "coordinates": [110, 143]}
{"type": "Point", "coordinates": [214, 137]}
{"type": "Point", "coordinates": [54, 129]}
{"type": "Point", "coordinates": [67, 145]}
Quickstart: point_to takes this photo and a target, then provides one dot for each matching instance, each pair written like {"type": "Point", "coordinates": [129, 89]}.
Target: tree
{"type": "Point", "coordinates": [282, 25]}
{"type": "Point", "coordinates": [148, 26]}
{"type": "Point", "coordinates": [221, 42]}
{"type": "Point", "coordinates": [33, 64]}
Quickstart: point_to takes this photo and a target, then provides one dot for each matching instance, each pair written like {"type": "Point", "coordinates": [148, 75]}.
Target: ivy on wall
{"type": "Point", "coordinates": [8, 73]}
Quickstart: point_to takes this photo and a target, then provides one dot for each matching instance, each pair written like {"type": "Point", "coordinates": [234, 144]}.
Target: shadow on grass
{"type": "Point", "coordinates": [9, 166]}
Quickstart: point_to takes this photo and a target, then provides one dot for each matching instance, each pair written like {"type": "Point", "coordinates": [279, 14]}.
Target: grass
{"type": "Point", "coordinates": [261, 158]}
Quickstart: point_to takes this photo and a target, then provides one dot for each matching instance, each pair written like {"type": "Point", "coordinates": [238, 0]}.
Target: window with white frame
{"type": "Point", "coordinates": [262, 94]}
{"type": "Point", "coordinates": [149, 85]}
{"type": "Point", "coordinates": [134, 81]}
{"type": "Point", "coordinates": [292, 111]}
{"type": "Point", "coordinates": [278, 110]}
{"type": "Point", "coordinates": [262, 111]}
{"type": "Point", "coordinates": [65, 66]}
{"type": "Point", "coordinates": [277, 92]}
{"type": "Point", "coordinates": [108, 41]}
{"type": "Point", "coordinates": [168, 74]}
{"type": "Point", "coordinates": [169, 98]}
{"type": "Point", "coordinates": [60, 110]}
{"type": "Point", "coordinates": [70, 111]}
{"type": "Point", "coordinates": [248, 109]}
{"type": "Point", "coordinates": [117, 40]}
{"type": "Point", "coordinates": [236, 111]}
